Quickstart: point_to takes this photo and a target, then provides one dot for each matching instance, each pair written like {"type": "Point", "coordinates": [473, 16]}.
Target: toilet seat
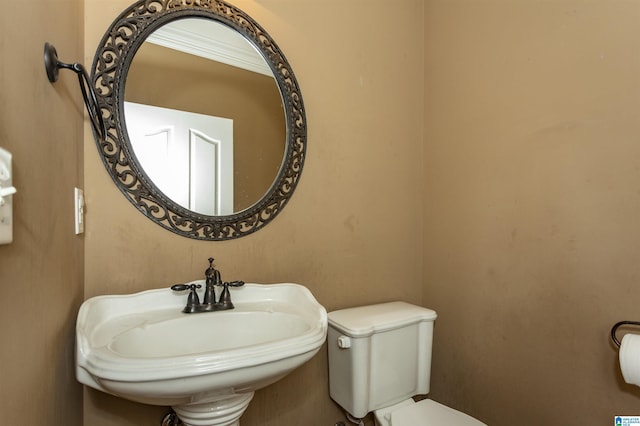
{"type": "Point", "coordinates": [430, 413]}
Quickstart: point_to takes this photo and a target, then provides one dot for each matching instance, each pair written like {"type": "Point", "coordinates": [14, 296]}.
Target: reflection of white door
{"type": "Point", "coordinates": [189, 156]}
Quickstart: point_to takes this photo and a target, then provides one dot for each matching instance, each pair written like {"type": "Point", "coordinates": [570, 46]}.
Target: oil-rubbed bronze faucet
{"type": "Point", "coordinates": [212, 278]}
{"type": "Point", "coordinates": [209, 304]}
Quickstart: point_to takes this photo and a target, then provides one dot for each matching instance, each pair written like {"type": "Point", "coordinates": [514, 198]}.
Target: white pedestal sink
{"type": "Point", "coordinates": [206, 365]}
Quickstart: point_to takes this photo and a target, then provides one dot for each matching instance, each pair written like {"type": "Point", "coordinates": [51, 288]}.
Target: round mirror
{"type": "Point", "coordinates": [206, 131]}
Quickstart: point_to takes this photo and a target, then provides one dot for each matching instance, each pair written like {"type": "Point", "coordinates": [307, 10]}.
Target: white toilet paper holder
{"type": "Point", "coordinates": [615, 329]}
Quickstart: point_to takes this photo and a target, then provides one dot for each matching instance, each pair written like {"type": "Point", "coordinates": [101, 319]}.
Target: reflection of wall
{"type": "Point", "coordinates": [165, 77]}
{"type": "Point", "coordinates": [41, 272]}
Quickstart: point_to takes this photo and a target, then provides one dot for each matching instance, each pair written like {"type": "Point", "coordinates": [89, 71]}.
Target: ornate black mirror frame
{"type": "Point", "coordinates": [109, 71]}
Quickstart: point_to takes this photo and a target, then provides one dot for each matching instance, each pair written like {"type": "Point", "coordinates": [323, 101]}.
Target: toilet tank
{"type": "Point", "coordinates": [379, 355]}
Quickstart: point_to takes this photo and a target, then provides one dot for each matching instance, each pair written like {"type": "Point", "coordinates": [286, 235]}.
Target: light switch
{"type": "Point", "coordinates": [78, 197]}
{"type": "Point", "coordinates": [6, 198]}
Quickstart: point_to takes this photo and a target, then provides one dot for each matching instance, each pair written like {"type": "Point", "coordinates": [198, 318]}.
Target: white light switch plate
{"type": "Point", "coordinates": [78, 197]}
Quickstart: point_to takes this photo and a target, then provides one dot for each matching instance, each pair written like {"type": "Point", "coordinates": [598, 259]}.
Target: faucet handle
{"type": "Point", "coordinates": [212, 274]}
{"type": "Point", "coordinates": [230, 284]}
{"type": "Point", "coordinates": [225, 296]}
{"type": "Point", "coordinates": [193, 301]}
{"type": "Point", "coordinates": [180, 287]}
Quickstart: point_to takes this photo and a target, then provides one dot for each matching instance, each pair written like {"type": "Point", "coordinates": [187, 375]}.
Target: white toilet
{"type": "Point", "coordinates": [379, 357]}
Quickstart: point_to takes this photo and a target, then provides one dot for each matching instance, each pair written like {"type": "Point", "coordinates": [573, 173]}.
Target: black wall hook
{"type": "Point", "coordinates": [52, 65]}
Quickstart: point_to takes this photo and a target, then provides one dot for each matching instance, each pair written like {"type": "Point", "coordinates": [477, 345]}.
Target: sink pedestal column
{"type": "Point", "coordinates": [223, 412]}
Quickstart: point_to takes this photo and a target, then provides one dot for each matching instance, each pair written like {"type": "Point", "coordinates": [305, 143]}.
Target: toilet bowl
{"type": "Point", "coordinates": [379, 358]}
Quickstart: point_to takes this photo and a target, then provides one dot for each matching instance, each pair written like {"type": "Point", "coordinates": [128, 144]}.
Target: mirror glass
{"type": "Point", "coordinates": [206, 129]}
{"type": "Point", "coordinates": [204, 116]}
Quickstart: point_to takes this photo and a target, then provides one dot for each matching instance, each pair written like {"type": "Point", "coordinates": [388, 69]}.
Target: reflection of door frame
{"type": "Point", "coordinates": [206, 151]}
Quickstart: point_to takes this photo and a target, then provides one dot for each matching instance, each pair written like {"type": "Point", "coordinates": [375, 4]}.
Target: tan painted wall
{"type": "Point", "coordinates": [532, 206]}
{"type": "Point", "coordinates": [343, 234]}
{"type": "Point", "coordinates": [41, 272]}
{"type": "Point", "coordinates": [529, 191]}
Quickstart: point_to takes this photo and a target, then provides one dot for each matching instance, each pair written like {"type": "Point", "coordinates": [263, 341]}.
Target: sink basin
{"type": "Point", "coordinates": [142, 347]}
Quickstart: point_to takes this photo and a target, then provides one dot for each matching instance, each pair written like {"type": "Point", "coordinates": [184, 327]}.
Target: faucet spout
{"type": "Point", "coordinates": [212, 277]}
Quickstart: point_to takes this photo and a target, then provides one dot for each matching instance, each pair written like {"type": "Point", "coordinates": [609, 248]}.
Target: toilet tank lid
{"type": "Point", "coordinates": [364, 321]}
